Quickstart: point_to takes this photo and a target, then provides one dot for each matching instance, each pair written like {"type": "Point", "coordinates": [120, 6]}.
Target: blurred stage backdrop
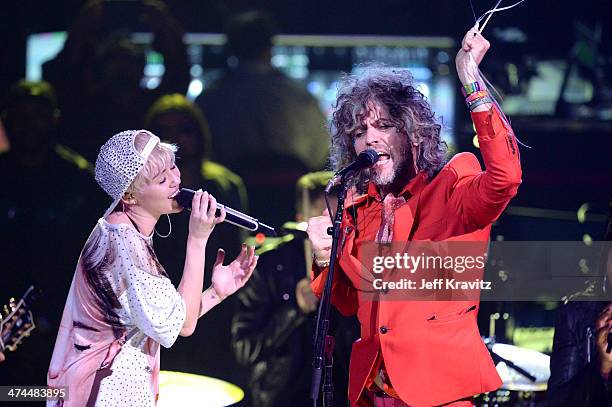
{"type": "Point", "coordinates": [550, 61]}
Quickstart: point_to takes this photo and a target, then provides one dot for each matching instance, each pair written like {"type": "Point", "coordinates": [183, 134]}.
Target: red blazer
{"type": "Point", "coordinates": [429, 362]}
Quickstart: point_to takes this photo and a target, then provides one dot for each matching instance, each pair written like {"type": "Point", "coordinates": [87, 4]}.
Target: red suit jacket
{"type": "Point", "coordinates": [429, 362]}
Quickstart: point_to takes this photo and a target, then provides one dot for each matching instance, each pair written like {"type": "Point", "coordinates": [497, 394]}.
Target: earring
{"type": "Point", "coordinates": [169, 228]}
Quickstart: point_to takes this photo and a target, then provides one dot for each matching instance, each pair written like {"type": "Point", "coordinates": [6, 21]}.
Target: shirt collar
{"type": "Point", "coordinates": [411, 188]}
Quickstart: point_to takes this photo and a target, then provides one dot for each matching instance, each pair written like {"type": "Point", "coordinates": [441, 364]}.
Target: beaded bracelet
{"type": "Point", "coordinates": [479, 102]}
{"type": "Point", "coordinates": [470, 88]}
{"type": "Point", "coordinates": [476, 95]}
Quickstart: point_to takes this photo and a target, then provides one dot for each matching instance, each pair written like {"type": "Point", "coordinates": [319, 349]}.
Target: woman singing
{"type": "Point", "coordinates": [121, 305]}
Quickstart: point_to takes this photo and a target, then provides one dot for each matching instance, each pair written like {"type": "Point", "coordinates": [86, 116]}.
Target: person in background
{"type": "Point", "coordinates": [254, 107]}
{"type": "Point", "coordinates": [101, 62]}
{"type": "Point", "coordinates": [179, 121]}
{"type": "Point", "coordinates": [47, 189]}
{"type": "Point", "coordinates": [261, 119]}
{"type": "Point", "coordinates": [580, 366]}
{"type": "Point", "coordinates": [274, 321]}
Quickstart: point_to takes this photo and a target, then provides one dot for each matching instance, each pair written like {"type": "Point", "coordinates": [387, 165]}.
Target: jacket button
{"type": "Point", "coordinates": [383, 329]}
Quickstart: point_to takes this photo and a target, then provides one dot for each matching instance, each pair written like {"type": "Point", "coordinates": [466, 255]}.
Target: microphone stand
{"type": "Point", "coordinates": [324, 343]}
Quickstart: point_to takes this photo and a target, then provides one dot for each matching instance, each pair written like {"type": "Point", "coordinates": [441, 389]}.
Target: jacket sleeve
{"type": "Point", "coordinates": [344, 295]}
{"type": "Point", "coordinates": [572, 382]}
{"type": "Point", "coordinates": [260, 326]}
{"type": "Point", "coordinates": [481, 196]}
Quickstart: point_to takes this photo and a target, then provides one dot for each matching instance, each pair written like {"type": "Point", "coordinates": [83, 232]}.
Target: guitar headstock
{"type": "Point", "coordinates": [17, 321]}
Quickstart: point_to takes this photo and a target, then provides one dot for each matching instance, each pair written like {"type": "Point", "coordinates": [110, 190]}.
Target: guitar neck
{"type": "Point", "coordinates": [18, 323]}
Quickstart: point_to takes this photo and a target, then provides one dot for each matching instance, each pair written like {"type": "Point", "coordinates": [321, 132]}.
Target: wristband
{"type": "Point", "coordinates": [476, 95]}
{"type": "Point", "coordinates": [479, 102]}
{"type": "Point", "coordinates": [470, 88]}
{"type": "Point", "coordinates": [320, 263]}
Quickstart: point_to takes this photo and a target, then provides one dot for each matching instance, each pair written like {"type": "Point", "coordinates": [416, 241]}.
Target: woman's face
{"type": "Point", "coordinates": [156, 195]}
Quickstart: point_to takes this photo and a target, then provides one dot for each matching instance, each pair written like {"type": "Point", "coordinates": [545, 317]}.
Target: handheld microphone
{"type": "Point", "coordinates": [365, 159]}
{"type": "Point", "coordinates": [185, 196]}
{"type": "Point", "coordinates": [609, 339]}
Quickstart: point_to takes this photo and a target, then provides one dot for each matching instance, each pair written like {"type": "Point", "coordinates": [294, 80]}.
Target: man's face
{"type": "Point", "coordinates": [180, 129]}
{"type": "Point", "coordinates": [30, 125]}
{"type": "Point", "coordinates": [378, 132]}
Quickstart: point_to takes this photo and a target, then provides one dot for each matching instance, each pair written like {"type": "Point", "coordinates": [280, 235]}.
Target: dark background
{"type": "Point", "coordinates": [547, 23]}
{"type": "Point", "coordinates": [568, 165]}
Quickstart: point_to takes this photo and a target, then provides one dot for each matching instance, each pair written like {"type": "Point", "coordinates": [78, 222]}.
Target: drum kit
{"type": "Point", "coordinates": [524, 373]}
{"type": "Point", "coordinates": [186, 389]}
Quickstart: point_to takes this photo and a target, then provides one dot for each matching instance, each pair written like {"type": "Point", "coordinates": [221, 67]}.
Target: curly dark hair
{"type": "Point", "coordinates": [409, 110]}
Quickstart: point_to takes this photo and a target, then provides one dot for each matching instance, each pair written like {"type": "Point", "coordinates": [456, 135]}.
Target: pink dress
{"type": "Point", "coordinates": [121, 306]}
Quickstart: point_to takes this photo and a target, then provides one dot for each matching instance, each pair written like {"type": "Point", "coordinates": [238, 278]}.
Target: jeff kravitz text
{"type": "Point", "coordinates": [403, 271]}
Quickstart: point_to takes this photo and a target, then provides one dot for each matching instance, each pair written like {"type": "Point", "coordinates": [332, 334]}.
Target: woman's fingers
{"type": "Point", "coordinates": [242, 254]}
{"type": "Point", "coordinates": [221, 216]}
{"type": "Point", "coordinates": [246, 258]}
{"type": "Point", "coordinates": [251, 256]}
{"type": "Point", "coordinates": [253, 261]}
{"type": "Point", "coordinates": [212, 207]}
{"type": "Point", "coordinates": [204, 203]}
{"type": "Point", "coordinates": [196, 202]}
{"type": "Point", "coordinates": [220, 258]}
{"type": "Point", "coordinates": [250, 270]}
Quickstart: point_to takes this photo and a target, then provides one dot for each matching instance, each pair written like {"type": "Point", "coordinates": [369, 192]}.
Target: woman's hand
{"type": "Point", "coordinates": [226, 280]}
{"type": "Point", "coordinates": [203, 220]}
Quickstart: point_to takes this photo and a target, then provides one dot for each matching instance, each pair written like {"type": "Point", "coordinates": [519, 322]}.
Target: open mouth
{"type": "Point", "coordinates": [174, 194]}
{"type": "Point", "coordinates": [383, 157]}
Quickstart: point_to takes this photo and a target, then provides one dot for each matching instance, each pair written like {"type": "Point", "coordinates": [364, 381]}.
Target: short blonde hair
{"type": "Point", "coordinates": [161, 157]}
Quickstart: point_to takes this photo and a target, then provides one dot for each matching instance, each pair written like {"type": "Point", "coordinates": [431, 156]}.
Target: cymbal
{"type": "Point", "coordinates": [186, 389]}
{"type": "Point", "coordinates": [534, 362]}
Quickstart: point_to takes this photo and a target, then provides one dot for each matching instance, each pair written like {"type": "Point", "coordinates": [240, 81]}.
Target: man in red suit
{"type": "Point", "coordinates": [414, 353]}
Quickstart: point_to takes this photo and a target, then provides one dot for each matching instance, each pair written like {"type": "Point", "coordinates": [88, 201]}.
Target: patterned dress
{"type": "Point", "coordinates": [120, 308]}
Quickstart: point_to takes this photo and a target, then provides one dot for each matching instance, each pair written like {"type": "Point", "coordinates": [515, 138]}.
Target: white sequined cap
{"type": "Point", "coordinates": [119, 162]}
